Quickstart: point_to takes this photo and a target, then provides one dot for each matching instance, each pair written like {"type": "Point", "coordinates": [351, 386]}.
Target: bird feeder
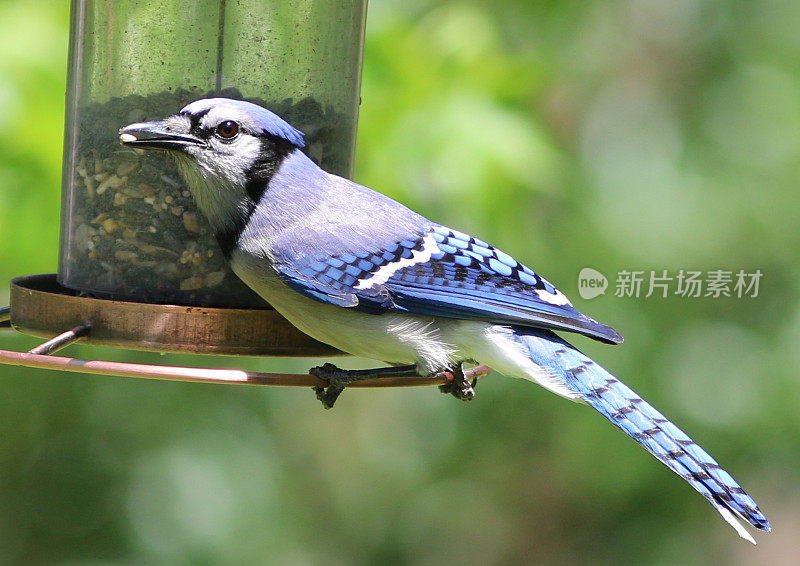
{"type": "Point", "coordinates": [138, 265]}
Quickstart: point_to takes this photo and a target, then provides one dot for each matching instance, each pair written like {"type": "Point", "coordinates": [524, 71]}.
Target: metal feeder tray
{"type": "Point", "coordinates": [41, 307]}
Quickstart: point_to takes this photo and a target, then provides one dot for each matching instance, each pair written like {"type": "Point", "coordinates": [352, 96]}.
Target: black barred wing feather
{"type": "Point", "coordinates": [443, 273]}
{"type": "Point", "coordinates": [468, 278]}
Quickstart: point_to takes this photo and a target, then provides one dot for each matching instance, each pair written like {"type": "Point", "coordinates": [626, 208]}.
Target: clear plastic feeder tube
{"type": "Point", "coordinates": [129, 228]}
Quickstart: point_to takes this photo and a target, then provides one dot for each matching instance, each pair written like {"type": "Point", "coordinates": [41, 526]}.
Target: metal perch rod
{"type": "Point", "coordinates": [209, 375]}
{"type": "Point", "coordinates": [37, 358]}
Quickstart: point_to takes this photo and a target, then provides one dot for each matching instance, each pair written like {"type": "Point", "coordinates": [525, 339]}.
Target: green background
{"type": "Point", "coordinates": [615, 135]}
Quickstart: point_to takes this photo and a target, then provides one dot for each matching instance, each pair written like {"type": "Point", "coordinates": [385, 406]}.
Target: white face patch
{"type": "Point", "coordinates": [229, 160]}
{"type": "Point", "coordinates": [221, 200]}
{"type": "Point", "coordinates": [422, 255]}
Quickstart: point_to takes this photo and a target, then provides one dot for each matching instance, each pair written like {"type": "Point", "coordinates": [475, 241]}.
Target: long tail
{"type": "Point", "coordinates": [636, 418]}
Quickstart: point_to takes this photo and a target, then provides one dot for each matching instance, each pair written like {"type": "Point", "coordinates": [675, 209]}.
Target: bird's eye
{"type": "Point", "coordinates": [228, 129]}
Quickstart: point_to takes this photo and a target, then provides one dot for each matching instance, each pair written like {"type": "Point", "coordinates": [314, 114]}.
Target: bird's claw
{"type": "Point", "coordinates": [459, 386]}
{"type": "Point", "coordinates": [337, 379]}
{"type": "Point", "coordinates": [328, 395]}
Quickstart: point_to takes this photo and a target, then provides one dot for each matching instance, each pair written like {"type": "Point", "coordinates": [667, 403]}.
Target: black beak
{"type": "Point", "coordinates": [155, 135]}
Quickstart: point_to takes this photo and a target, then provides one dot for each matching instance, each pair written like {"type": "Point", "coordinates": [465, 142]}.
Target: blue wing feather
{"type": "Point", "coordinates": [458, 277]}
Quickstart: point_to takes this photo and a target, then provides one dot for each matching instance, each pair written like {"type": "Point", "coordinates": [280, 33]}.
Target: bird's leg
{"type": "Point", "coordinates": [460, 387]}
{"type": "Point", "coordinates": [338, 378]}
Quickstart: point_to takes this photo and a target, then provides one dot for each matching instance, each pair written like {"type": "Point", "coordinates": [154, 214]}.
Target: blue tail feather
{"type": "Point", "coordinates": [647, 426]}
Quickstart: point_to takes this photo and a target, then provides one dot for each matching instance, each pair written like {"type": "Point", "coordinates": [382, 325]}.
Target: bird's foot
{"type": "Point", "coordinates": [338, 379]}
{"type": "Point", "coordinates": [458, 383]}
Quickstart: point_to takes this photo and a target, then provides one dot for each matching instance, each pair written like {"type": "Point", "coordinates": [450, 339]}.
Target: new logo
{"type": "Point", "coordinates": [591, 283]}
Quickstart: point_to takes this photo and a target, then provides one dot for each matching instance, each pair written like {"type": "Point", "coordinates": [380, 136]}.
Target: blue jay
{"type": "Point", "coordinates": [359, 271]}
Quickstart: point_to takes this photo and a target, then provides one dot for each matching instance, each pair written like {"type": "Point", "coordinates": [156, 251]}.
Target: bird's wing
{"type": "Point", "coordinates": [441, 273]}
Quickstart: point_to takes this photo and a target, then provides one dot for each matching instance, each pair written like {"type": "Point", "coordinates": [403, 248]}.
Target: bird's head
{"type": "Point", "coordinates": [227, 150]}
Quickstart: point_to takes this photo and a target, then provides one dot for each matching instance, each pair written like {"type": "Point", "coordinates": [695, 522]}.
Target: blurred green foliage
{"type": "Point", "coordinates": [618, 135]}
